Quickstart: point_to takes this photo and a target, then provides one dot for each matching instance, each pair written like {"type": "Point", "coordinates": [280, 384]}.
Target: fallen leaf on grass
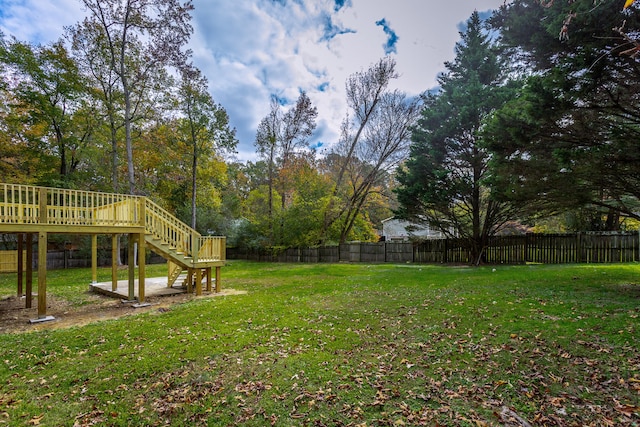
{"type": "Point", "coordinates": [627, 409]}
{"type": "Point", "coordinates": [35, 421]}
{"type": "Point", "coordinates": [513, 419]}
{"type": "Point", "coordinates": [557, 401]}
{"type": "Point", "coordinates": [499, 384]}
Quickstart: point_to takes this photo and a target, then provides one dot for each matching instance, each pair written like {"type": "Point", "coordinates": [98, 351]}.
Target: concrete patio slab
{"type": "Point", "coordinates": [153, 287]}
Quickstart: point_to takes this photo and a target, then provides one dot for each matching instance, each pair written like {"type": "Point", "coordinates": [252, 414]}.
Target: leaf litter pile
{"type": "Point", "coordinates": [350, 346]}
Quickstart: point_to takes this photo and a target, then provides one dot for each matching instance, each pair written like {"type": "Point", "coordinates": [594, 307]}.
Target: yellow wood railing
{"type": "Point", "coordinates": [25, 204]}
{"type": "Point", "coordinates": [182, 238]}
{"type": "Point", "coordinates": [20, 204]}
{"type": "Point", "coordinates": [212, 248]}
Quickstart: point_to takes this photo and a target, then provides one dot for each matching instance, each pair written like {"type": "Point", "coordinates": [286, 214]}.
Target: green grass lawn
{"type": "Point", "coordinates": [338, 345]}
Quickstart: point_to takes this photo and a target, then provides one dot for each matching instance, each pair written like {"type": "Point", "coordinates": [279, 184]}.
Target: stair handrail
{"type": "Point", "coordinates": [169, 230]}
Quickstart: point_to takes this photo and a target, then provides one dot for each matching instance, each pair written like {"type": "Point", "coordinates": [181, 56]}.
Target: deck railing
{"type": "Point", "coordinates": [20, 204]}
{"type": "Point", "coordinates": [212, 248]}
{"type": "Point", "coordinates": [25, 204]}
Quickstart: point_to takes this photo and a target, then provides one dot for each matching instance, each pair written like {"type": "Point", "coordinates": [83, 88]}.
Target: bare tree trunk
{"type": "Point", "coordinates": [270, 211]}
{"type": "Point", "coordinates": [194, 182]}
{"type": "Point", "coordinates": [126, 90]}
{"type": "Point", "coordinates": [127, 128]}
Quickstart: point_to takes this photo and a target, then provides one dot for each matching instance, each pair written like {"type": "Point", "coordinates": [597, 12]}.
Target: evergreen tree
{"type": "Point", "coordinates": [568, 140]}
{"type": "Point", "coordinates": [443, 182]}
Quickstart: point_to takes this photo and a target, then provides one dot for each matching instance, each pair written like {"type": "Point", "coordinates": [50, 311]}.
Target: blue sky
{"type": "Point", "coordinates": [252, 49]}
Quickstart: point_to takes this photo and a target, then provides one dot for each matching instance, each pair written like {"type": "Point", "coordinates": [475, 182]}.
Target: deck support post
{"type": "Point", "coordinates": [20, 263]}
{"type": "Point", "coordinates": [218, 284]}
{"type": "Point", "coordinates": [208, 275]}
{"type": "Point", "coordinates": [141, 267]}
{"type": "Point", "coordinates": [198, 281]}
{"type": "Point", "coordinates": [29, 272]}
{"type": "Point", "coordinates": [42, 274]}
{"type": "Point", "coordinates": [132, 266]}
{"type": "Point", "coordinates": [94, 258]}
{"type": "Point", "coordinates": [189, 280]}
{"type": "Point", "coordinates": [114, 262]}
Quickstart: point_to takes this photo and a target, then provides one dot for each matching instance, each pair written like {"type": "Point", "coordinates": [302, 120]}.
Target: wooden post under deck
{"type": "Point", "coordinates": [141, 256]}
{"type": "Point", "coordinates": [218, 284]}
{"type": "Point", "coordinates": [20, 263]}
{"type": "Point", "coordinates": [189, 280]}
{"type": "Point", "coordinates": [42, 275]}
{"type": "Point", "coordinates": [132, 266]}
{"type": "Point", "coordinates": [114, 262]}
{"type": "Point", "coordinates": [141, 267]}
{"type": "Point", "coordinates": [198, 281]}
{"type": "Point", "coordinates": [94, 258]}
{"type": "Point", "coordinates": [29, 272]}
{"type": "Point", "coordinates": [208, 275]}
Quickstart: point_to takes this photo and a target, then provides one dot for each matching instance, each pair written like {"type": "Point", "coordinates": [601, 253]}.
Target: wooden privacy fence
{"type": "Point", "coordinates": [347, 252]}
{"type": "Point", "coordinates": [9, 261]}
{"type": "Point", "coordinates": [535, 248]}
{"type": "Point", "coordinates": [64, 259]}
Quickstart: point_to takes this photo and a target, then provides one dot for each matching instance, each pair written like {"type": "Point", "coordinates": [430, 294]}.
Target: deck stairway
{"type": "Point", "coordinates": [183, 247]}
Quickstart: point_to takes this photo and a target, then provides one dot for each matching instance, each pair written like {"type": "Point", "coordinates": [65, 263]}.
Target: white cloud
{"type": "Point", "coordinates": [37, 21]}
{"type": "Point", "coordinates": [250, 49]}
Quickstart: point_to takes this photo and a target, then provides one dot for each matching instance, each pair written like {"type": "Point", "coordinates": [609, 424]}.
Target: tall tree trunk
{"type": "Point", "coordinates": [270, 211]}
{"type": "Point", "coordinates": [114, 157]}
{"type": "Point", "coordinates": [126, 91]}
{"type": "Point", "coordinates": [114, 172]}
{"type": "Point", "coordinates": [127, 128]}
{"type": "Point", "coordinates": [477, 240]}
{"type": "Point", "coordinates": [194, 184]}
{"type": "Point", "coordinates": [613, 220]}
{"type": "Point", "coordinates": [355, 206]}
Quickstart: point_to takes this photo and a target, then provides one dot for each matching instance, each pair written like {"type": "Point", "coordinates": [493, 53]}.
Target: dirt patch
{"type": "Point", "coordinates": [14, 317]}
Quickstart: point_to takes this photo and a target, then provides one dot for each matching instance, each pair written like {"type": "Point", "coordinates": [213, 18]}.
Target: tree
{"type": "Point", "coordinates": [139, 38]}
{"type": "Point", "coordinates": [566, 141]}
{"type": "Point", "coordinates": [375, 137]}
{"type": "Point", "coordinates": [205, 126]}
{"type": "Point", "coordinates": [364, 91]}
{"type": "Point", "coordinates": [382, 145]}
{"type": "Point", "coordinates": [298, 124]}
{"type": "Point", "coordinates": [49, 110]}
{"type": "Point", "coordinates": [267, 143]}
{"type": "Point", "coordinates": [303, 217]}
{"type": "Point", "coordinates": [443, 182]}
{"type": "Point", "coordinates": [90, 47]}
{"type": "Point", "coordinates": [18, 161]}
{"type": "Point", "coordinates": [279, 136]}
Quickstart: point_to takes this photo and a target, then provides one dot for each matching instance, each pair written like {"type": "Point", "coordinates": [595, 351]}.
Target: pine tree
{"type": "Point", "coordinates": [443, 182]}
{"type": "Point", "coordinates": [569, 139]}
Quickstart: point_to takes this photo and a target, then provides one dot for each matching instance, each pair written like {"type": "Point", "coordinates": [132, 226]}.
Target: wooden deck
{"type": "Point", "coordinates": [33, 213]}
